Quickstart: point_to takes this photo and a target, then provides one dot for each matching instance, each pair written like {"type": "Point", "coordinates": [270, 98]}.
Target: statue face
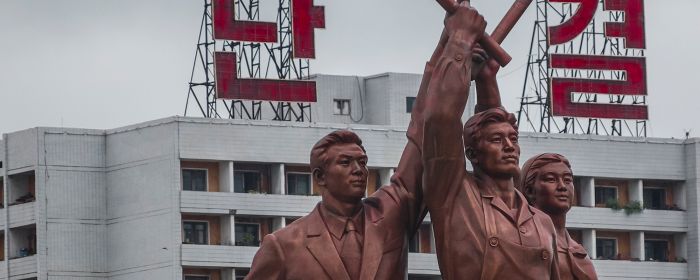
{"type": "Point", "coordinates": [554, 188]}
{"type": "Point", "coordinates": [498, 150]}
{"type": "Point", "coordinates": [345, 175]}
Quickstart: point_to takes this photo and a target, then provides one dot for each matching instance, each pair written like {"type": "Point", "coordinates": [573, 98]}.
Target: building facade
{"type": "Point", "coordinates": [191, 198]}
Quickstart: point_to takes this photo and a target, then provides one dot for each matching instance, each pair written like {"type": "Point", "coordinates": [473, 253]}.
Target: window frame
{"type": "Point", "coordinates": [249, 171]}
{"type": "Point", "coordinates": [668, 249]}
{"type": "Point", "coordinates": [413, 103]}
{"type": "Point", "coordinates": [617, 193]}
{"type": "Point", "coordinates": [286, 182]}
{"type": "Point", "coordinates": [197, 221]}
{"type": "Point", "coordinates": [184, 277]}
{"type": "Point", "coordinates": [663, 200]}
{"type": "Point", "coordinates": [258, 224]}
{"type": "Point", "coordinates": [335, 106]}
{"type": "Point", "coordinates": [206, 178]}
{"type": "Point", "coordinates": [617, 245]}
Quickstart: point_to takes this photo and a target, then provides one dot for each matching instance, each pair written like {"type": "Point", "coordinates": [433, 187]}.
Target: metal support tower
{"type": "Point", "coordinates": [276, 57]}
{"type": "Point", "coordinates": [535, 112]}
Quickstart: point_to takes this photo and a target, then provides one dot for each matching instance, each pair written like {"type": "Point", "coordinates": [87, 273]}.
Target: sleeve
{"type": "Point", "coordinates": [268, 263]}
{"type": "Point", "coordinates": [408, 175]}
{"type": "Point", "coordinates": [443, 151]}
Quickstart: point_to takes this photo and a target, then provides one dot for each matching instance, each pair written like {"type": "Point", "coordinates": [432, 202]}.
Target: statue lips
{"type": "Point", "coordinates": [511, 159]}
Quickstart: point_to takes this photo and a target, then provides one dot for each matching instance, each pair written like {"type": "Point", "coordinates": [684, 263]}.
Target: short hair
{"type": "Point", "coordinates": [531, 169]}
{"type": "Point", "coordinates": [318, 158]}
{"type": "Point", "coordinates": [472, 129]}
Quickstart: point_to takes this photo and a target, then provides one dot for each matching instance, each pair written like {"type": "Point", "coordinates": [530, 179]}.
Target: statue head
{"type": "Point", "coordinates": [548, 183]}
{"type": "Point", "coordinates": [339, 166]}
{"type": "Point", "coordinates": [491, 143]}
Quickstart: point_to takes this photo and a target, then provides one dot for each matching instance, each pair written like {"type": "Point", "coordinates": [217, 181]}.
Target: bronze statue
{"type": "Point", "coordinates": [548, 183]}
{"type": "Point", "coordinates": [345, 236]}
{"type": "Point", "coordinates": [484, 227]}
{"type": "Point", "coordinates": [313, 246]}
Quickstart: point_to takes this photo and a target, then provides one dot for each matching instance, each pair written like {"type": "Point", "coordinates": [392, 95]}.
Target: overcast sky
{"type": "Point", "coordinates": [110, 63]}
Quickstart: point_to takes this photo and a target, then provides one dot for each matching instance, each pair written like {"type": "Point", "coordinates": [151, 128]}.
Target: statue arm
{"type": "Point", "coordinates": [449, 87]}
{"type": "Point", "coordinates": [409, 172]}
{"type": "Point", "coordinates": [447, 93]}
{"type": "Point", "coordinates": [487, 94]}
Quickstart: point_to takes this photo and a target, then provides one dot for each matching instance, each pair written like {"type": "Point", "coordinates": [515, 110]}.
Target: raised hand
{"type": "Point", "coordinates": [465, 23]}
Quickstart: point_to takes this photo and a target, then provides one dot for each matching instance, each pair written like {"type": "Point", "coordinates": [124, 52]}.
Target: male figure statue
{"type": "Point", "coordinates": [484, 227]}
{"type": "Point", "coordinates": [346, 237]}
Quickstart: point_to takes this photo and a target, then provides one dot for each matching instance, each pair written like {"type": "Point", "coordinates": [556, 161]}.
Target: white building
{"type": "Point", "coordinates": [190, 198]}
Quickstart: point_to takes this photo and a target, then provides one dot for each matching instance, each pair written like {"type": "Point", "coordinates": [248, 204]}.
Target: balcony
{"type": "Point", "coordinates": [247, 204]}
{"type": "Point", "coordinates": [242, 257]}
{"type": "Point", "coordinates": [647, 220]}
{"type": "Point", "coordinates": [22, 214]}
{"type": "Point", "coordinates": [23, 268]}
{"type": "Point", "coordinates": [640, 270]}
{"type": "Point", "coordinates": [217, 255]}
{"type": "Point", "coordinates": [423, 264]}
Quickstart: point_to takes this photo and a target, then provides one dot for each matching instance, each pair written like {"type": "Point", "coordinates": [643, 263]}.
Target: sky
{"type": "Point", "coordinates": [110, 63]}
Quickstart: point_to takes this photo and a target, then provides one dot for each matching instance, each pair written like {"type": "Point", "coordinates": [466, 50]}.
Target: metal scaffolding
{"type": "Point", "coordinates": [277, 58]}
{"type": "Point", "coordinates": [535, 112]}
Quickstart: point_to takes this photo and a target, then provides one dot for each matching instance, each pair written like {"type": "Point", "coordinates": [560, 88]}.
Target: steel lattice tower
{"type": "Point", "coordinates": [535, 107]}
{"type": "Point", "coordinates": [250, 57]}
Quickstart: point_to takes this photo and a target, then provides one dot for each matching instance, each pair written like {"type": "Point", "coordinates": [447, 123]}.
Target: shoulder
{"type": "Point", "coordinates": [292, 234]}
{"type": "Point", "coordinates": [542, 218]}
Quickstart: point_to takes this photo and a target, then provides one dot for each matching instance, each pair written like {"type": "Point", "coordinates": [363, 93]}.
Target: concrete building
{"type": "Point", "coordinates": [191, 198]}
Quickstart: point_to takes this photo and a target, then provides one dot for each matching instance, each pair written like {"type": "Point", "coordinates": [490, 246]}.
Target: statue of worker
{"type": "Point", "coordinates": [484, 227]}
{"type": "Point", "coordinates": [346, 236]}
{"type": "Point", "coordinates": [548, 184]}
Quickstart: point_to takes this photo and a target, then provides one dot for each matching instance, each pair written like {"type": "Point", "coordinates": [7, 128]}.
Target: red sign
{"type": "Point", "coordinates": [305, 18]}
{"type": "Point", "coordinates": [632, 30]}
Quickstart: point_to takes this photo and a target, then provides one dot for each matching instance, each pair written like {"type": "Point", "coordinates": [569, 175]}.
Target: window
{"type": "Point", "coordinates": [409, 103]}
{"type": "Point", "coordinates": [246, 181]}
{"type": "Point", "coordinates": [655, 198]}
{"type": "Point", "coordinates": [414, 243]}
{"type": "Point", "coordinates": [603, 194]}
{"type": "Point", "coordinates": [241, 273]}
{"type": "Point", "coordinates": [606, 248]}
{"type": "Point", "coordinates": [194, 180]}
{"type": "Point", "coordinates": [298, 183]}
{"type": "Point", "coordinates": [247, 234]}
{"type": "Point", "coordinates": [342, 107]}
{"type": "Point", "coordinates": [195, 232]}
{"type": "Point", "coordinates": [656, 250]}
{"type": "Point", "coordinates": [192, 277]}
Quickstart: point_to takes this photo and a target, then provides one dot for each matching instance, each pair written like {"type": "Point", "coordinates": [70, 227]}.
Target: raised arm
{"type": "Point", "coordinates": [407, 177]}
{"type": "Point", "coordinates": [449, 86]}
{"type": "Point", "coordinates": [487, 93]}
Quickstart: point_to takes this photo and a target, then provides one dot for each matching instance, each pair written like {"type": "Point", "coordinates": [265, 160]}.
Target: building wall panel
{"type": "Point", "coordinates": [139, 242]}
{"type": "Point", "coordinates": [139, 143]}
{"type": "Point", "coordinates": [332, 87]}
{"type": "Point", "coordinates": [140, 189]}
{"type": "Point", "coordinates": [72, 149]}
{"type": "Point", "coordinates": [76, 247]}
{"type": "Point", "coordinates": [22, 149]}
{"type": "Point", "coordinates": [76, 195]}
{"type": "Point", "coordinates": [618, 157]}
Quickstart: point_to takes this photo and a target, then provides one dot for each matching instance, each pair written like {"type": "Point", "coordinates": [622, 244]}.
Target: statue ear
{"type": "Point", "coordinates": [319, 176]}
{"type": "Point", "coordinates": [530, 194]}
{"type": "Point", "coordinates": [471, 154]}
